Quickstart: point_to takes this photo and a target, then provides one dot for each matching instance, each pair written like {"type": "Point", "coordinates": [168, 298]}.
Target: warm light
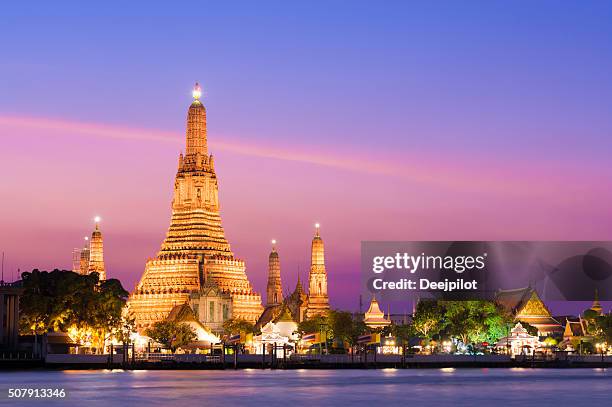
{"type": "Point", "coordinates": [97, 219]}
{"type": "Point", "coordinates": [197, 91]}
{"type": "Point", "coordinates": [86, 238]}
{"type": "Point", "coordinates": [317, 225]}
{"type": "Point", "coordinates": [273, 241]}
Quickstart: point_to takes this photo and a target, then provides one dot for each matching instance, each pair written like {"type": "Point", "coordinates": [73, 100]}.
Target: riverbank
{"type": "Point", "coordinates": [219, 362]}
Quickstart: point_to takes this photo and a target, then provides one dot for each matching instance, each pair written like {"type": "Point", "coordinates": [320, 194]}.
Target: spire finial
{"type": "Point", "coordinates": [273, 245]}
{"type": "Point", "coordinates": [317, 227]}
{"type": "Point", "coordinates": [197, 91]}
{"type": "Point", "coordinates": [97, 220]}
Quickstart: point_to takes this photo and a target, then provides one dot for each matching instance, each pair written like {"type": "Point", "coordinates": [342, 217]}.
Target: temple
{"type": "Point", "coordinates": [526, 306]}
{"type": "Point", "coordinates": [274, 292]}
{"type": "Point", "coordinates": [195, 264]}
{"type": "Point", "coordinates": [374, 317]}
{"type": "Point", "coordinates": [299, 305]}
{"type": "Point", "coordinates": [318, 301]}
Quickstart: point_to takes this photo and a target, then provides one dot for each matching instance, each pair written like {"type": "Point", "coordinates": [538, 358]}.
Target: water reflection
{"type": "Point", "coordinates": [460, 387]}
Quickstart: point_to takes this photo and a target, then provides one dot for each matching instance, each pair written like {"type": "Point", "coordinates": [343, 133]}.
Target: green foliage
{"type": "Point", "coordinates": [57, 300]}
{"type": "Point", "coordinates": [601, 328]}
{"type": "Point", "coordinates": [313, 325]}
{"type": "Point", "coordinates": [590, 315]}
{"type": "Point", "coordinates": [593, 325]}
{"type": "Point", "coordinates": [171, 334]}
{"type": "Point", "coordinates": [427, 320]}
{"type": "Point", "coordinates": [476, 321]}
{"type": "Point", "coordinates": [550, 341]}
{"type": "Point", "coordinates": [236, 326]}
{"type": "Point", "coordinates": [125, 330]}
{"type": "Point", "coordinates": [344, 327]}
{"type": "Point", "coordinates": [403, 333]}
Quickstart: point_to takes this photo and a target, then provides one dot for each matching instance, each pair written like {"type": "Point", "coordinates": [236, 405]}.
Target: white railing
{"type": "Point", "coordinates": [170, 357]}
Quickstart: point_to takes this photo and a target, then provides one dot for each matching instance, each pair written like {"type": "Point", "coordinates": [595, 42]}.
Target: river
{"type": "Point", "coordinates": [288, 388]}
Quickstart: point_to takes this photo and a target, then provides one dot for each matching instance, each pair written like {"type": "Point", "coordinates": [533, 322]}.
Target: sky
{"type": "Point", "coordinates": [392, 121]}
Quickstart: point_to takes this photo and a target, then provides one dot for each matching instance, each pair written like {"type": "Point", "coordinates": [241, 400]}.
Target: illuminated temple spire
{"type": "Point", "coordinates": [96, 252]}
{"type": "Point", "coordinates": [275, 288]}
{"type": "Point", "coordinates": [596, 304]}
{"type": "Point", "coordinates": [195, 255]}
{"type": "Point", "coordinates": [318, 300]}
{"type": "Point", "coordinates": [196, 125]}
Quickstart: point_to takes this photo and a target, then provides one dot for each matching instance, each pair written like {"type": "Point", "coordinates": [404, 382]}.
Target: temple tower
{"type": "Point", "coordinates": [196, 126]}
{"type": "Point", "coordinates": [274, 293]}
{"type": "Point", "coordinates": [318, 300]}
{"type": "Point", "coordinates": [195, 254]}
{"type": "Point", "coordinates": [596, 304]}
{"type": "Point", "coordinates": [96, 252]}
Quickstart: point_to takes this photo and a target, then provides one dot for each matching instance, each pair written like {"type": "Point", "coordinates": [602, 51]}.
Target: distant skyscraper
{"type": "Point", "coordinates": [84, 263]}
{"type": "Point", "coordinates": [96, 252]}
{"type": "Point", "coordinates": [91, 257]}
{"type": "Point", "coordinates": [76, 260]}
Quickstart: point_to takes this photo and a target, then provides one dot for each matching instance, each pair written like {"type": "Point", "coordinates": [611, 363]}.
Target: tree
{"type": "Point", "coordinates": [343, 326]}
{"type": "Point", "coordinates": [591, 317]}
{"type": "Point", "coordinates": [237, 325]}
{"type": "Point", "coordinates": [403, 333]}
{"type": "Point", "coordinates": [603, 328]}
{"type": "Point", "coordinates": [171, 334]}
{"type": "Point", "coordinates": [427, 320]}
{"type": "Point", "coordinates": [476, 321]}
{"type": "Point", "coordinates": [313, 325]}
{"type": "Point", "coordinates": [62, 300]}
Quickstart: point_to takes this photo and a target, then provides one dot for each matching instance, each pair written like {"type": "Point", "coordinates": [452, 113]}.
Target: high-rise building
{"type": "Point", "coordinates": [84, 258]}
{"type": "Point", "coordinates": [91, 257]}
{"type": "Point", "coordinates": [96, 252]}
{"type": "Point", "coordinates": [195, 256]}
{"type": "Point", "coordinates": [76, 260]}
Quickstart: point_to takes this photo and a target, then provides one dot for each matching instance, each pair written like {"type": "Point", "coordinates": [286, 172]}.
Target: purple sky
{"type": "Point", "coordinates": [398, 122]}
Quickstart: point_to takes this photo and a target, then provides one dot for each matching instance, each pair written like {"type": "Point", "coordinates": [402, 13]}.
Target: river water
{"type": "Point", "coordinates": [288, 388]}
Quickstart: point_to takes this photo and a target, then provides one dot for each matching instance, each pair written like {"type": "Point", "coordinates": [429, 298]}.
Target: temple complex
{"type": "Point", "coordinates": [195, 263]}
{"type": "Point", "coordinates": [527, 307]}
{"type": "Point", "coordinates": [299, 304]}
